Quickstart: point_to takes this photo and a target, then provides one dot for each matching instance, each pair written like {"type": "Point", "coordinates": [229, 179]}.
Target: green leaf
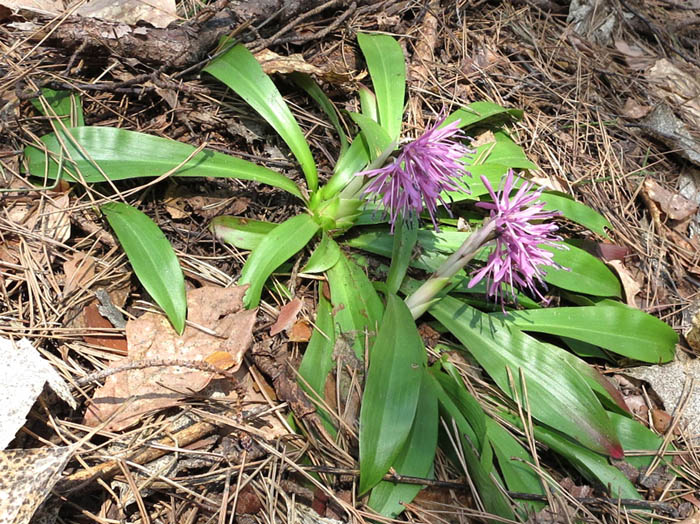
{"type": "Point", "coordinates": [240, 71]}
{"type": "Point", "coordinates": [508, 153]}
{"type": "Point", "coordinates": [318, 358]}
{"type": "Point", "coordinates": [481, 471]}
{"type": "Point", "coordinates": [278, 246]}
{"type": "Point", "coordinates": [558, 395]}
{"type": "Point", "coordinates": [576, 212]}
{"type": "Point", "coordinates": [415, 459]}
{"type": "Point", "coordinates": [389, 401]}
{"type": "Point", "coordinates": [63, 104]}
{"type": "Point", "coordinates": [356, 305]}
{"type": "Point", "coordinates": [354, 160]}
{"type": "Point", "coordinates": [306, 82]}
{"type": "Point", "coordinates": [122, 154]}
{"type": "Point", "coordinates": [377, 138]}
{"type": "Point", "coordinates": [636, 437]}
{"type": "Point", "coordinates": [405, 238]}
{"type": "Point", "coordinates": [152, 258]}
{"type": "Point", "coordinates": [593, 466]}
{"type": "Point", "coordinates": [513, 460]}
{"type": "Point", "coordinates": [387, 68]}
{"type": "Point", "coordinates": [583, 273]}
{"type": "Point", "coordinates": [243, 233]}
{"type": "Point", "coordinates": [368, 103]}
{"type": "Point", "coordinates": [324, 256]}
{"type": "Point", "coordinates": [480, 112]}
{"type": "Point", "coordinates": [622, 330]}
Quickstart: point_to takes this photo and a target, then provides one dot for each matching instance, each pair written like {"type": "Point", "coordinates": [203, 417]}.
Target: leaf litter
{"type": "Point", "coordinates": [217, 323]}
{"type": "Point", "coordinates": [574, 91]}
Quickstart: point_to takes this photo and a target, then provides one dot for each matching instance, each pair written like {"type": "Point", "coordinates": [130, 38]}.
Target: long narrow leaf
{"type": "Point", "coordinates": [318, 358]}
{"type": "Point", "coordinates": [480, 112]}
{"type": "Point", "coordinates": [387, 68]}
{"type": "Point", "coordinates": [415, 459]}
{"type": "Point", "coordinates": [242, 233]}
{"type": "Point", "coordinates": [123, 154]}
{"type": "Point", "coordinates": [152, 258]}
{"type": "Point", "coordinates": [622, 330]}
{"type": "Point", "coordinates": [306, 82]}
{"type": "Point", "coordinates": [389, 401]}
{"type": "Point", "coordinates": [558, 395]}
{"type": "Point", "coordinates": [405, 238]}
{"type": "Point", "coordinates": [278, 246]}
{"type": "Point", "coordinates": [357, 309]}
{"type": "Point", "coordinates": [481, 471]}
{"type": "Point", "coordinates": [593, 466]}
{"type": "Point", "coordinates": [240, 71]}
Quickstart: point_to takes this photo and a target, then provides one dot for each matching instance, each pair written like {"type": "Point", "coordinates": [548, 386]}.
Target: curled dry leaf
{"type": "Point", "coordinates": [287, 317]}
{"type": "Point", "coordinates": [158, 13]}
{"type": "Point", "coordinates": [629, 284]}
{"type": "Point", "coordinates": [300, 331]}
{"type": "Point", "coordinates": [151, 336]}
{"type": "Point", "coordinates": [673, 204]}
{"type": "Point", "coordinates": [78, 270]}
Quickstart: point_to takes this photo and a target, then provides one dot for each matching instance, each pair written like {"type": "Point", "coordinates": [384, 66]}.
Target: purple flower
{"type": "Point", "coordinates": [518, 256]}
{"type": "Point", "coordinates": [423, 169]}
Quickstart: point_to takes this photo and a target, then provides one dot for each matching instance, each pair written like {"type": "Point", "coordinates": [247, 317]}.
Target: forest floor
{"type": "Point", "coordinates": [611, 102]}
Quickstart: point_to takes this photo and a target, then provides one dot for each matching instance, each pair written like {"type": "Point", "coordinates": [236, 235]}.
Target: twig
{"type": "Point", "coordinates": [150, 363]}
{"type": "Point", "coordinates": [407, 479]}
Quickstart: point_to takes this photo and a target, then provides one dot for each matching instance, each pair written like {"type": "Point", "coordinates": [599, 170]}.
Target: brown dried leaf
{"type": "Point", "coordinates": [221, 360]}
{"type": "Point", "coordinates": [271, 62]}
{"type": "Point", "coordinates": [680, 89]}
{"type": "Point", "coordinates": [93, 319]}
{"type": "Point", "coordinates": [152, 337]}
{"type": "Point", "coordinates": [632, 109]}
{"type": "Point", "coordinates": [635, 56]}
{"type": "Point", "coordinates": [300, 331]}
{"type": "Point", "coordinates": [629, 284]}
{"type": "Point", "coordinates": [487, 137]}
{"type": "Point", "coordinates": [287, 317]}
{"type": "Point", "coordinates": [78, 270]}
{"type": "Point", "coordinates": [673, 204]}
{"type": "Point", "coordinates": [158, 13]}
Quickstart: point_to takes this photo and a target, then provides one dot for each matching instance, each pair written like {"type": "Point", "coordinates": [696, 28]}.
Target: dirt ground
{"type": "Point", "coordinates": [611, 95]}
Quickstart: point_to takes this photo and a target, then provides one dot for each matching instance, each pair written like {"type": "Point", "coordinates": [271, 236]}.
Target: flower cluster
{"type": "Point", "coordinates": [424, 168]}
{"type": "Point", "coordinates": [518, 257]}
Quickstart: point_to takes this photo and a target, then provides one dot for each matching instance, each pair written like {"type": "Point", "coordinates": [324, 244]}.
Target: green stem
{"type": "Point", "coordinates": [421, 300]}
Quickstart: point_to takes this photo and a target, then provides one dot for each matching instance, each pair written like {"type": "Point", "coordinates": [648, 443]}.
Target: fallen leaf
{"type": "Point", "coordinates": [636, 57]}
{"type": "Point", "coordinates": [673, 204]}
{"type": "Point", "coordinates": [680, 89]}
{"type": "Point", "coordinates": [28, 476]}
{"type": "Point", "coordinates": [221, 360]}
{"type": "Point", "coordinates": [633, 109]}
{"type": "Point", "coordinates": [668, 380]}
{"type": "Point", "coordinates": [300, 331]}
{"type": "Point", "coordinates": [287, 317]}
{"type": "Point", "coordinates": [23, 374]}
{"type": "Point", "coordinates": [271, 62]}
{"type": "Point", "coordinates": [487, 137]}
{"type": "Point", "coordinates": [94, 320]}
{"type": "Point", "coordinates": [42, 6]}
{"type": "Point", "coordinates": [78, 270]}
{"type": "Point", "coordinates": [609, 252]}
{"type": "Point", "coordinates": [158, 13]}
{"type": "Point", "coordinates": [629, 284]}
{"type": "Point", "coordinates": [152, 337]}
{"type": "Point", "coordinates": [692, 335]}
{"type": "Point", "coordinates": [664, 125]}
